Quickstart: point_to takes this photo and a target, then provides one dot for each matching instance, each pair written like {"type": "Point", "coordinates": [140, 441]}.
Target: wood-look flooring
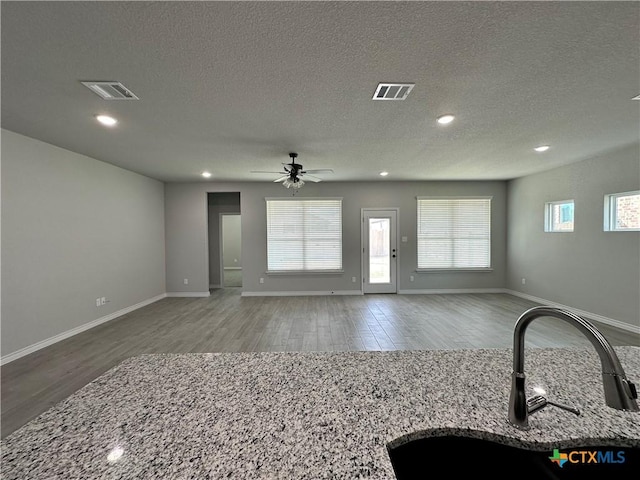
{"type": "Point", "coordinates": [227, 322]}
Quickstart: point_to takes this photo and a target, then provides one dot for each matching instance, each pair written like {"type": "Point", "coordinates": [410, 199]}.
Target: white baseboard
{"type": "Point", "coordinates": [444, 291]}
{"type": "Point", "coordinates": [74, 331]}
{"type": "Point", "coordinates": [188, 294]}
{"type": "Point", "coordinates": [583, 313]}
{"type": "Point", "coordinates": [301, 293]}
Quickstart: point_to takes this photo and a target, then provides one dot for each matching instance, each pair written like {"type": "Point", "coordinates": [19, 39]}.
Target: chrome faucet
{"type": "Point", "coordinates": [619, 392]}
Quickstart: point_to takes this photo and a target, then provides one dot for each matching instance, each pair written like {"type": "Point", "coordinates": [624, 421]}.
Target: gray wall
{"type": "Point", "coordinates": [187, 231]}
{"type": "Point", "coordinates": [74, 229]}
{"type": "Point", "coordinates": [588, 269]}
{"type": "Point", "coordinates": [218, 203]}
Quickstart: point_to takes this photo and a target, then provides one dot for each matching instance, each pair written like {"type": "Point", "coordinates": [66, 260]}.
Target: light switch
{"type": "Point", "coordinates": [404, 239]}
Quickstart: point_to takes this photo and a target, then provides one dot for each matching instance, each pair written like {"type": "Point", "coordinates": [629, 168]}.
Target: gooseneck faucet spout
{"type": "Point", "coordinates": [619, 392]}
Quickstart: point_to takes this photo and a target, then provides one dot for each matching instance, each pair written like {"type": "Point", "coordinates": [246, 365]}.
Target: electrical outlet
{"type": "Point", "coordinates": [97, 302]}
{"type": "Point", "coordinates": [353, 279]}
{"type": "Point", "coordinates": [524, 281]}
{"type": "Point", "coordinates": [186, 281]}
{"type": "Point", "coordinates": [261, 280]}
{"type": "Point", "coordinates": [411, 278]}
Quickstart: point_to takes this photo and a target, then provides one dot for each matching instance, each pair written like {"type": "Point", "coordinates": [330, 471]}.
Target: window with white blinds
{"type": "Point", "coordinates": [304, 235]}
{"type": "Point", "coordinates": [454, 233]}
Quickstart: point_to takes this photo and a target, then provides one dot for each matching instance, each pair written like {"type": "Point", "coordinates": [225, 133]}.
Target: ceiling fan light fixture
{"type": "Point", "coordinates": [293, 183]}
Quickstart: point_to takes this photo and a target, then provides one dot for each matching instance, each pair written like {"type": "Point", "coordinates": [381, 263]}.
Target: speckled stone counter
{"type": "Point", "coordinates": [306, 415]}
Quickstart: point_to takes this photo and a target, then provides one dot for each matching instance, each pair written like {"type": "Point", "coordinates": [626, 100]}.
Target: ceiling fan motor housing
{"type": "Point", "coordinates": [296, 168]}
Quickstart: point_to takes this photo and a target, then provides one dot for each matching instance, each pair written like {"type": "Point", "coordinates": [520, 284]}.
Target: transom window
{"type": "Point", "coordinates": [304, 235]}
{"type": "Point", "coordinates": [454, 233]}
{"type": "Point", "coordinates": [558, 216]}
{"type": "Point", "coordinates": [622, 212]}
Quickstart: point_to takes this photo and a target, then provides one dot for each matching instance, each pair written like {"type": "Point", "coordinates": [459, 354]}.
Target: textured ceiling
{"type": "Point", "coordinates": [232, 87]}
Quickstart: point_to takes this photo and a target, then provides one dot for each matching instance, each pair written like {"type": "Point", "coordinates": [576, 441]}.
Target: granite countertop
{"type": "Point", "coordinates": [307, 415]}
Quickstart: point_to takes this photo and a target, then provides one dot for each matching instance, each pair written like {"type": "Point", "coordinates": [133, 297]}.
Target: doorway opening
{"type": "Point", "coordinates": [225, 255]}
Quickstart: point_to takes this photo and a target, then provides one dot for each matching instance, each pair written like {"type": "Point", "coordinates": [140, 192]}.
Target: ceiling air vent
{"type": "Point", "coordinates": [110, 90]}
{"type": "Point", "coordinates": [392, 91]}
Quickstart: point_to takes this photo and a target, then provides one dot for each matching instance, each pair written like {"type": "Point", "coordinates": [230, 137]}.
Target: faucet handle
{"type": "Point", "coordinates": [568, 408]}
{"type": "Point", "coordinates": [538, 402]}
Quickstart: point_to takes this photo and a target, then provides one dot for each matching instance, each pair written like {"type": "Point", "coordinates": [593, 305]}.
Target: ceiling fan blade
{"type": "Point", "coordinates": [295, 171]}
{"type": "Point", "coordinates": [312, 178]}
{"type": "Point", "coordinates": [325, 170]}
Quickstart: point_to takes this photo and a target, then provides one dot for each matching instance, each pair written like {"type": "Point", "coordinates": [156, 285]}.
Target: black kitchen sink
{"type": "Point", "coordinates": [456, 456]}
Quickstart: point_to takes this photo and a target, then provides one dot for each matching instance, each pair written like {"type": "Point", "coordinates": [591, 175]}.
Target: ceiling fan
{"type": "Point", "coordinates": [293, 172]}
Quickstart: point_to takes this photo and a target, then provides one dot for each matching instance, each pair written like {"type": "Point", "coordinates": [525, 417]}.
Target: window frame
{"type": "Point", "coordinates": [487, 268]}
{"type": "Point", "coordinates": [315, 271]}
{"type": "Point", "coordinates": [611, 211]}
{"type": "Point", "coordinates": [549, 216]}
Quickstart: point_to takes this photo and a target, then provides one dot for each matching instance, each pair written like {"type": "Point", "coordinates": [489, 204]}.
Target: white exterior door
{"type": "Point", "coordinates": [379, 250]}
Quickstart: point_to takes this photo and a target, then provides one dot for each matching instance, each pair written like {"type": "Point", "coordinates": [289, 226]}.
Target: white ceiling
{"type": "Point", "coordinates": [232, 87]}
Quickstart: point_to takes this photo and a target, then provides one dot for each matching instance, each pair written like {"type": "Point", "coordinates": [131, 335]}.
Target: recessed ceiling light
{"type": "Point", "coordinates": [206, 174]}
{"type": "Point", "coordinates": [445, 119]}
{"type": "Point", "coordinates": [106, 120]}
{"type": "Point", "coordinates": [636, 98]}
{"type": "Point", "coordinates": [384, 174]}
{"type": "Point", "coordinates": [542, 148]}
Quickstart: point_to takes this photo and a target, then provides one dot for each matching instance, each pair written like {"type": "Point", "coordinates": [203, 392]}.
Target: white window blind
{"type": "Point", "coordinates": [454, 233]}
{"type": "Point", "coordinates": [304, 235]}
